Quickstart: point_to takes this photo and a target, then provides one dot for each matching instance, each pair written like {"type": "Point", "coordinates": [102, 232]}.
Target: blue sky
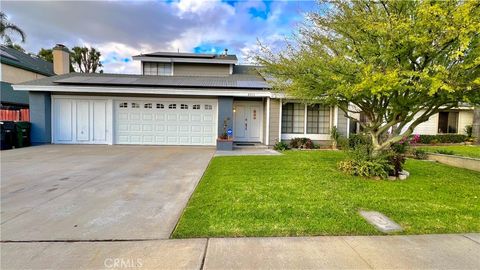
{"type": "Point", "coordinates": [120, 29]}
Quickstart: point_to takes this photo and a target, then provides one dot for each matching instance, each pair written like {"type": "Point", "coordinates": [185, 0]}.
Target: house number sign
{"type": "Point", "coordinates": [254, 114]}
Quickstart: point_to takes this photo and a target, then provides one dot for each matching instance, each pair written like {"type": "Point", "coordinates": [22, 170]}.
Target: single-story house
{"type": "Point", "coordinates": [179, 99]}
{"type": "Point", "coordinates": [18, 67]}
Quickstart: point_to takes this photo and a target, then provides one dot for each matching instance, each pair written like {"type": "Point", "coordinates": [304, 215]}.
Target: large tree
{"type": "Point", "coordinates": [7, 28]}
{"type": "Point", "coordinates": [85, 60]}
{"type": "Point", "coordinates": [399, 62]}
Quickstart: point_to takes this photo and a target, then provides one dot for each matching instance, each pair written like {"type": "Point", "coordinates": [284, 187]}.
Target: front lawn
{"type": "Point", "coordinates": [302, 193]}
{"type": "Point", "coordinates": [459, 150]}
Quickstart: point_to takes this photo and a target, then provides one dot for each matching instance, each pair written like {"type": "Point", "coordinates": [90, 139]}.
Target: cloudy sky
{"type": "Point", "coordinates": [120, 29]}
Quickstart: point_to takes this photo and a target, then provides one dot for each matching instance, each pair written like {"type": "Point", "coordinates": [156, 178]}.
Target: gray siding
{"type": "Point", "coordinates": [274, 121]}
{"type": "Point", "coordinates": [40, 117]}
{"type": "Point", "coordinates": [195, 69]}
{"type": "Point", "coordinates": [225, 111]}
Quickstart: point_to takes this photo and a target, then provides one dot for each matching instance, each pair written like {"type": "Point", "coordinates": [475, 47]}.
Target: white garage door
{"type": "Point", "coordinates": [166, 122]}
{"type": "Point", "coordinates": [77, 121]}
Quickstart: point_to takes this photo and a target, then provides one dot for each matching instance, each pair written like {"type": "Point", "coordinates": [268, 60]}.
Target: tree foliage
{"type": "Point", "coordinates": [7, 28]}
{"type": "Point", "coordinates": [46, 54]}
{"type": "Point", "coordinates": [393, 60]}
{"type": "Point", "coordinates": [85, 60]}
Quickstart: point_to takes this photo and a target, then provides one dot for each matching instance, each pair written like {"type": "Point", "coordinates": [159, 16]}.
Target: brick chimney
{"type": "Point", "coordinates": [61, 59]}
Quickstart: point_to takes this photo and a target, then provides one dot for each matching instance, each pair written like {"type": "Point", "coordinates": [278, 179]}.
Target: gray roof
{"type": "Point", "coordinates": [12, 57]}
{"type": "Point", "coordinates": [234, 81]}
{"type": "Point", "coordinates": [190, 55]}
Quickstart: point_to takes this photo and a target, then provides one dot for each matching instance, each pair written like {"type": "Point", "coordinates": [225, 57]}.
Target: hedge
{"type": "Point", "coordinates": [443, 138]}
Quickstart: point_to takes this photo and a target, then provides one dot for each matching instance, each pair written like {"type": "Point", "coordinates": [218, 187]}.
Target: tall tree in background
{"type": "Point", "coordinates": [7, 28]}
{"type": "Point", "coordinates": [85, 60]}
{"type": "Point", "coordinates": [399, 62]}
{"type": "Point", "coordinates": [46, 54]}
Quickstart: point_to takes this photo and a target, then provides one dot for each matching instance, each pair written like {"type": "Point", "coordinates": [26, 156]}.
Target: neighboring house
{"type": "Point", "coordinates": [179, 99]}
{"type": "Point", "coordinates": [453, 121]}
{"type": "Point", "coordinates": [18, 67]}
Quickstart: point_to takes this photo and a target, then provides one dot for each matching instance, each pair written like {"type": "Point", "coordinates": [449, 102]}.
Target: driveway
{"type": "Point", "coordinates": [87, 192]}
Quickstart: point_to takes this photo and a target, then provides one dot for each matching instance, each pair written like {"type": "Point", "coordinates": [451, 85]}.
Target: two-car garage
{"type": "Point", "coordinates": [129, 120]}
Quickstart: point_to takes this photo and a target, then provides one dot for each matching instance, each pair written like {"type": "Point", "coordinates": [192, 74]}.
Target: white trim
{"type": "Point", "coordinates": [305, 121]}
{"type": "Point", "coordinates": [348, 127]}
{"type": "Point", "coordinates": [183, 60]}
{"type": "Point", "coordinates": [267, 138]}
{"type": "Point", "coordinates": [335, 116]}
{"type": "Point", "coordinates": [144, 90]}
{"type": "Point", "coordinates": [280, 121]}
{"type": "Point", "coordinates": [315, 137]}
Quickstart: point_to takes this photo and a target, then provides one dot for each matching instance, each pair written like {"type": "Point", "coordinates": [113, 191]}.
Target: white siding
{"type": "Point", "coordinates": [430, 127]}
{"type": "Point", "coordinates": [465, 118]}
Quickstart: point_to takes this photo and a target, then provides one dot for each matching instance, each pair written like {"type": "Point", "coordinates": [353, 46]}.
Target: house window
{"type": "Point", "coordinates": [184, 106]}
{"type": "Point", "coordinates": [196, 106]}
{"type": "Point", "coordinates": [147, 105]}
{"type": "Point", "coordinates": [318, 119]}
{"type": "Point", "coordinates": [135, 105]}
{"type": "Point", "coordinates": [152, 68]}
{"type": "Point", "coordinates": [208, 107]}
{"type": "Point", "coordinates": [293, 118]}
{"type": "Point", "coordinates": [172, 106]}
{"type": "Point", "coordinates": [448, 122]}
{"type": "Point", "coordinates": [123, 105]}
{"type": "Point", "coordinates": [160, 106]}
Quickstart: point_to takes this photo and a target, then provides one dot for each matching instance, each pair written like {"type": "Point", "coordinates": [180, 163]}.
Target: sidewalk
{"type": "Point", "coordinates": [452, 251]}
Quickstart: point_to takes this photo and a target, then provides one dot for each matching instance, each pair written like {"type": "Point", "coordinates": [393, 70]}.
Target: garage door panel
{"type": "Point", "coordinates": [166, 122]}
{"type": "Point", "coordinates": [184, 117]}
{"type": "Point", "coordinates": [122, 116]}
{"type": "Point", "coordinates": [134, 116]}
{"type": "Point", "coordinates": [80, 121]}
{"type": "Point", "coordinates": [147, 116]}
{"type": "Point", "coordinates": [99, 121]}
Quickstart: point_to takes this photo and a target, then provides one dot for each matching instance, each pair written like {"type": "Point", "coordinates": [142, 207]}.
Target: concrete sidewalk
{"type": "Point", "coordinates": [450, 251]}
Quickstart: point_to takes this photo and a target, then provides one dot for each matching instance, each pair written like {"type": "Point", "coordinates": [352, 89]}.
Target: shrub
{"type": "Point", "coordinates": [356, 140]}
{"type": "Point", "coordinates": [362, 163]}
{"type": "Point", "coordinates": [443, 138]}
{"type": "Point", "coordinates": [469, 130]}
{"type": "Point", "coordinates": [301, 143]}
{"type": "Point", "coordinates": [396, 161]}
{"type": "Point", "coordinates": [419, 153]}
{"type": "Point", "coordinates": [444, 152]}
{"type": "Point", "coordinates": [280, 146]}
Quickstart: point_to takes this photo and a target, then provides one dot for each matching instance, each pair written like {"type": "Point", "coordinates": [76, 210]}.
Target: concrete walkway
{"type": "Point", "coordinates": [451, 251]}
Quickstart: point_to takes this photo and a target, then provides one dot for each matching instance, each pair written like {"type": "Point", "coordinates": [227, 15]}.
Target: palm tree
{"type": "Point", "coordinates": [7, 27]}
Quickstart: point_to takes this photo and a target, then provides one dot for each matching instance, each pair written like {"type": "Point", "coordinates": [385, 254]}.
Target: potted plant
{"type": "Point", "coordinates": [225, 141]}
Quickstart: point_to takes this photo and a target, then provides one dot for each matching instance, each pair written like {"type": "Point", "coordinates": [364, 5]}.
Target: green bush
{"type": "Point", "coordinates": [443, 138]}
{"type": "Point", "coordinates": [280, 146]}
{"type": "Point", "coordinates": [362, 163]}
{"type": "Point", "coordinates": [419, 153]}
{"type": "Point", "coordinates": [469, 130]}
{"type": "Point", "coordinates": [444, 152]}
{"type": "Point", "coordinates": [356, 140]}
{"type": "Point", "coordinates": [301, 143]}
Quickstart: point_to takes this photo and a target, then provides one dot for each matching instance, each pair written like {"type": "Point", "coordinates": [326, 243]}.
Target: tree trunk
{"type": "Point", "coordinates": [476, 124]}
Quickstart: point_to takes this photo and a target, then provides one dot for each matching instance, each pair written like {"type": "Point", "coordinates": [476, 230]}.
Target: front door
{"type": "Point", "coordinates": [248, 121]}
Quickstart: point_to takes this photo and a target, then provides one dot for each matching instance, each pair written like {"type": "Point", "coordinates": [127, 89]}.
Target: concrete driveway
{"type": "Point", "coordinates": [86, 192]}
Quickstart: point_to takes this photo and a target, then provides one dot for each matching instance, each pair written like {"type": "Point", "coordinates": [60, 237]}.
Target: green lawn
{"type": "Point", "coordinates": [302, 193]}
{"type": "Point", "coordinates": [460, 150]}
